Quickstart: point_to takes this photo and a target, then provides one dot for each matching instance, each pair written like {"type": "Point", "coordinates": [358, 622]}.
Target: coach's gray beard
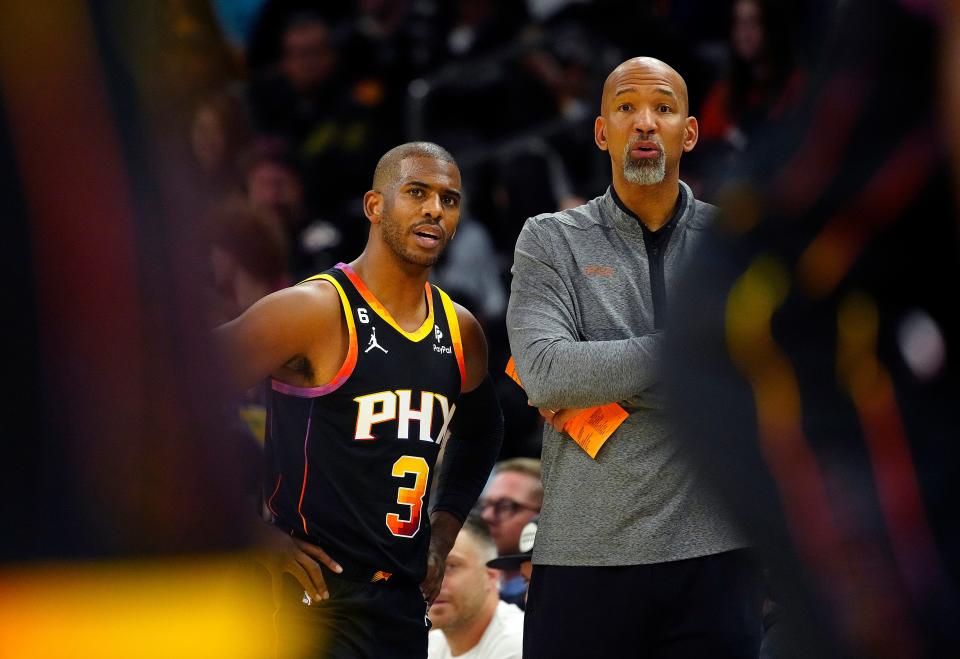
{"type": "Point", "coordinates": [646, 171]}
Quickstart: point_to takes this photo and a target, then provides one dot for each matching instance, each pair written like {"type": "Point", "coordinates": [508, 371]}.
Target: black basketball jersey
{"type": "Point", "coordinates": [350, 463]}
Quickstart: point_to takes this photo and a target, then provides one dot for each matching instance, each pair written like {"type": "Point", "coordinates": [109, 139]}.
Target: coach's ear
{"type": "Point", "coordinates": [600, 134]}
{"type": "Point", "coordinates": [691, 133]}
{"type": "Point", "coordinates": [373, 206]}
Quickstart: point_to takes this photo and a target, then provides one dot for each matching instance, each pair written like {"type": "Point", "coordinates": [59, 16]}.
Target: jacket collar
{"type": "Point", "coordinates": [627, 221]}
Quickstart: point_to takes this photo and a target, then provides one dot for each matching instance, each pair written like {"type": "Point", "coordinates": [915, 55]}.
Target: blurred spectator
{"type": "Point", "coordinates": [572, 70]}
{"type": "Point", "coordinates": [481, 25]}
{"type": "Point", "coordinates": [247, 257]}
{"type": "Point", "coordinates": [676, 31]}
{"type": "Point", "coordinates": [219, 131]}
{"type": "Point", "coordinates": [512, 498]}
{"type": "Point", "coordinates": [248, 260]}
{"type": "Point", "coordinates": [272, 182]}
{"type": "Point", "coordinates": [286, 100]}
{"type": "Point", "coordinates": [265, 43]}
{"type": "Point", "coordinates": [390, 43]}
{"type": "Point", "coordinates": [527, 180]}
{"type": "Point", "coordinates": [522, 562]}
{"type": "Point", "coordinates": [762, 81]}
{"type": "Point", "coordinates": [470, 271]}
{"type": "Point", "coordinates": [468, 618]}
{"type": "Point", "coordinates": [333, 121]}
{"type": "Point", "coordinates": [194, 56]}
{"type": "Point", "coordinates": [379, 43]}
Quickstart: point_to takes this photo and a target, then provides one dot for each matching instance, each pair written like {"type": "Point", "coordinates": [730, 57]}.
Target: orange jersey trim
{"type": "Point", "coordinates": [272, 496]}
{"type": "Point", "coordinates": [306, 469]}
{"type": "Point", "coordinates": [454, 325]}
{"type": "Point", "coordinates": [377, 306]}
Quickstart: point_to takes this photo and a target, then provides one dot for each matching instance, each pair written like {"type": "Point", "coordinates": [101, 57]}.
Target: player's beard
{"type": "Point", "coordinates": [645, 171]}
{"type": "Point", "coordinates": [396, 237]}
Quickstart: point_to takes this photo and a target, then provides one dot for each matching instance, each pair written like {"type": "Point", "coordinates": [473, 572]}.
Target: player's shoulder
{"type": "Point", "coordinates": [463, 315]}
{"type": "Point", "coordinates": [471, 330]}
{"type": "Point", "coordinates": [309, 302]}
{"type": "Point", "coordinates": [466, 319]}
{"type": "Point", "coordinates": [315, 292]}
{"type": "Point", "coordinates": [473, 341]}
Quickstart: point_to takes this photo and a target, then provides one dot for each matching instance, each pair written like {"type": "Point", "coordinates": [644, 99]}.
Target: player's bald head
{"type": "Point", "coordinates": [645, 70]}
{"type": "Point", "coordinates": [388, 169]}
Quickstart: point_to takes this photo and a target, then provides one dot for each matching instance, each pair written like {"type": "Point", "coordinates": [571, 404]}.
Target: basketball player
{"type": "Point", "coordinates": [371, 369]}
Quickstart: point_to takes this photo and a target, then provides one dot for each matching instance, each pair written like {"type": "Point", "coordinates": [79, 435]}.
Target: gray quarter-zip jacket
{"type": "Point", "coordinates": [581, 321]}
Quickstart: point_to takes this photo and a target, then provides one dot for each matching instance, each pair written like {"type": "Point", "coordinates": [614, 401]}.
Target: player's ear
{"type": "Point", "coordinates": [600, 134]}
{"type": "Point", "coordinates": [373, 206]}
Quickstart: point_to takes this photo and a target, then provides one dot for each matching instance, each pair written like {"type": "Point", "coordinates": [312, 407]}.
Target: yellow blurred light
{"type": "Point", "coordinates": [183, 608]}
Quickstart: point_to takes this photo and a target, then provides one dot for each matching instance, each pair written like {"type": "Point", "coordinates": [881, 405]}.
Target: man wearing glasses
{"type": "Point", "coordinates": [510, 501]}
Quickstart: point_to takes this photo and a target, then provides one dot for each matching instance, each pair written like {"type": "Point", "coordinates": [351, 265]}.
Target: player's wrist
{"type": "Point", "coordinates": [444, 527]}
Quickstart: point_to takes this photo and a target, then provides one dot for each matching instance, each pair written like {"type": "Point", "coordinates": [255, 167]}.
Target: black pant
{"type": "Point", "coordinates": [359, 621]}
{"type": "Point", "coordinates": [698, 607]}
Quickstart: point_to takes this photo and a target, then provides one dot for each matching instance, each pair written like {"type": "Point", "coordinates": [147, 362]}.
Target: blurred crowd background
{"type": "Point", "coordinates": [166, 163]}
{"type": "Point", "coordinates": [286, 106]}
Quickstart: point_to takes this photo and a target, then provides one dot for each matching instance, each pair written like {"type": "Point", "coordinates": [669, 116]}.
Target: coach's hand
{"type": "Point", "coordinates": [558, 418]}
{"type": "Point", "coordinates": [444, 528]}
{"type": "Point", "coordinates": [281, 552]}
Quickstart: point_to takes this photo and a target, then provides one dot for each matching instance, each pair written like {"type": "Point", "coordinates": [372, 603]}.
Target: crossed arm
{"type": "Point", "coordinates": [558, 370]}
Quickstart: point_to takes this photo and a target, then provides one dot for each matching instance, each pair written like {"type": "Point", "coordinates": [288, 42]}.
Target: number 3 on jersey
{"type": "Point", "coordinates": [409, 496]}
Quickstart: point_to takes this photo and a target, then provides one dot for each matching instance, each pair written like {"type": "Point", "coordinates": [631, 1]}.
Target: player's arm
{"type": "Point", "coordinates": [476, 434]}
{"type": "Point", "coordinates": [558, 370]}
{"type": "Point", "coordinates": [284, 325]}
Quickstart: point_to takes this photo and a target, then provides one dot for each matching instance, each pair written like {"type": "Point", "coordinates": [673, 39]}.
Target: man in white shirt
{"type": "Point", "coordinates": [469, 620]}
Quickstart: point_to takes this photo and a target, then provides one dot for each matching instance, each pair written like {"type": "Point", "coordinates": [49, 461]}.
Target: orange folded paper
{"type": "Point", "coordinates": [591, 427]}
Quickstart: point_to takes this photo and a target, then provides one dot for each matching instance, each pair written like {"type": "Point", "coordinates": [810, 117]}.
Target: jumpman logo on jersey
{"type": "Point", "coordinates": [373, 341]}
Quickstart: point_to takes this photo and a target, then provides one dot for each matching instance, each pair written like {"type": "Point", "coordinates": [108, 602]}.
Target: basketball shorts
{"type": "Point", "coordinates": [360, 620]}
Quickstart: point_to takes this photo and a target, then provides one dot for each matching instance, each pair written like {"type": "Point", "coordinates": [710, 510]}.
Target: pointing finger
{"type": "Point", "coordinates": [320, 555]}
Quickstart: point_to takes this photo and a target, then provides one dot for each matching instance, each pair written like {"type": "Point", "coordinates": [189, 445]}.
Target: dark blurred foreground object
{"type": "Point", "coordinates": [817, 339]}
{"type": "Point", "coordinates": [114, 448]}
{"type": "Point", "coordinates": [121, 492]}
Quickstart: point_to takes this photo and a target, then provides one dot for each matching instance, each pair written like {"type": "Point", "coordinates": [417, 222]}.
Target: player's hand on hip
{"type": "Point", "coordinates": [283, 553]}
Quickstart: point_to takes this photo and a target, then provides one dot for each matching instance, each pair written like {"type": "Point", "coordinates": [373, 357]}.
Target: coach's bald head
{"type": "Point", "coordinates": [644, 70]}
